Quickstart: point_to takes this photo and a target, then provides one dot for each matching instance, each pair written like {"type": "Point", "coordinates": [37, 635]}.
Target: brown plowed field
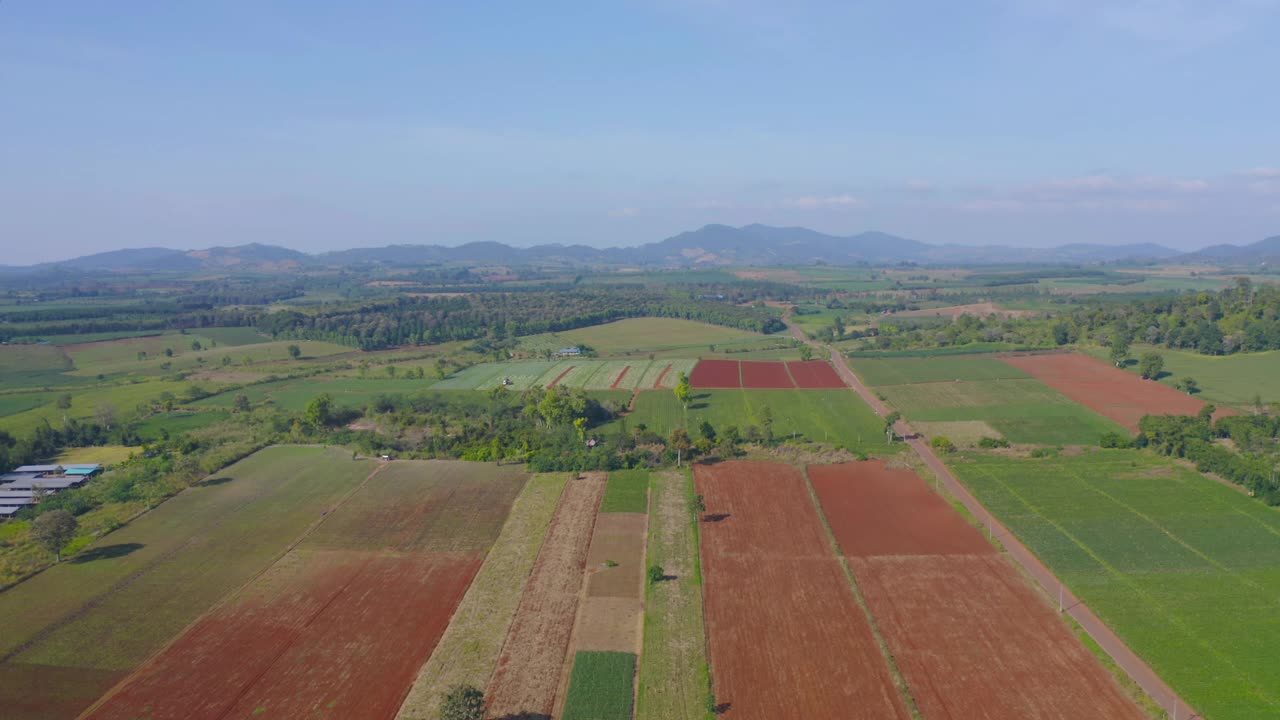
{"type": "Point", "coordinates": [970, 635]}
{"type": "Point", "coordinates": [714, 374]}
{"type": "Point", "coordinates": [762, 375]}
{"type": "Point", "coordinates": [876, 511]}
{"type": "Point", "coordinates": [323, 634]}
{"type": "Point", "coordinates": [786, 636]}
{"type": "Point", "coordinates": [528, 672]}
{"type": "Point", "coordinates": [1108, 390]}
{"type": "Point", "coordinates": [328, 631]}
{"type": "Point", "coordinates": [815, 375]}
{"type": "Point", "coordinates": [618, 537]}
{"type": "Point", "coordinates": [974, 641]}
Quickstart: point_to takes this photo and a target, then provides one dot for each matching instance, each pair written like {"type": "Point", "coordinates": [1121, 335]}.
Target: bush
{"type": "Point", "coordinates": [462, 702]}
{"type": "Point", "coordinates": [656, 574]}
{"type": "Point", "coordinates": [1114, 440]}
{"type": "Point", "coordinates": [991, 442]}
{"type": "Point", "coordinates": [1045, 452]}
{"type": "Point", "coordinates": [943, 444]}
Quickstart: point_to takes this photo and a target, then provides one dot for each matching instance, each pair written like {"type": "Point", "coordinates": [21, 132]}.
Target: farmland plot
{"type": "Point", "coordinates": [91, 620]}
{"type": "Point", "coordinates": [958, 618]}
{"type": "Point", "coordinates": [528, 673]}
{"type": "Point", "coordinates": [340, 626]}
{"type": "Point", "coordinates": [1024, 411]}
{"type": "Point", "coordinates": [909, 371]}
{"type": "Point", "coordinates": [468, 652]}
{"type": "Point", "coordinates": [673, 676]}
{"type": "Point", "coordinates": [819, 657]}
{"type": "Point", "coordinates": [1107, 389]}
{"type": "Point", "coordinates": [1181, 567]}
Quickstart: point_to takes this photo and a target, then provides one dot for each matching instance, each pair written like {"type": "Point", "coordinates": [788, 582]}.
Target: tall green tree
{"type": "Point", "coordinates": [319, 411]}
{"type": "Point", "coordinates": [1150, 365]}
{"type": "Point", "coordinates": [1119, 349]}
{"type": "Point", "coordinates": [683, 391]}
{"type": "Point", "coordinates": [53, 530]}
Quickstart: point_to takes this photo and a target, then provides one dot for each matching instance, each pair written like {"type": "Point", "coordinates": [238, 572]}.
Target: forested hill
{"type": "Point", "coordinates": [428, 320]}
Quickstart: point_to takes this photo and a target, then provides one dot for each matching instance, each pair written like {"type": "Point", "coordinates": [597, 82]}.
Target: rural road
{"type": "Point", "coordinates": [1142, 674]}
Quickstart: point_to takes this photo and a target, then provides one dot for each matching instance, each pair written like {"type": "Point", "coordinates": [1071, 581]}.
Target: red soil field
{"type": "Point", "coordinates": [766, 376]}
{"type": "Point", "coordinates": [560, 377]}
{"type": "Point", "coordinates": [815, 375]}
{"type": "Point", "coordinates": [1108, 390]}
{"type": "Point", "coordinates": [323, 634]}
{"type": "Point", "coordinates": [787, 638]}
{"type": "Point", "coordinates": [876, 511]}
{"type": "Point", "coordinates": [969, 634]}
{"type": "Point", "coordinates": [973, 640]}
{"type": "Point", "coordinates": [618, 379]}
{"type": "Point", "coordinates": [529, 670]}
{"type": "Point", "coordinates": [716, 374]}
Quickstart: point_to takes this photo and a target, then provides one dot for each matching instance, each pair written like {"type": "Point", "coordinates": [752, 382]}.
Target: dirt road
{"type": "Point", "coordinates": [1134, 666]}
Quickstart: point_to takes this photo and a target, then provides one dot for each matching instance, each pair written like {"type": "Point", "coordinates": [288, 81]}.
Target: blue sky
{"type": "Point", "coordinates": [320, 125]}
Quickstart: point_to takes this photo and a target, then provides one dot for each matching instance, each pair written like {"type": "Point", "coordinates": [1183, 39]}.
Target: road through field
{"type": "Point", "coordinates": [1134, 666]}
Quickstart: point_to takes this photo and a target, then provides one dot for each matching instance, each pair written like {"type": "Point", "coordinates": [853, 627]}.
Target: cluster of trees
{"type": "Point", "coordinates": [47, 441]}
{"type": "Point", "coordinates": [1253, 463]}
{"type": "Point", "coordinates": [426, 321]}
{"type": "Point", "coordinates": [1244, 318]}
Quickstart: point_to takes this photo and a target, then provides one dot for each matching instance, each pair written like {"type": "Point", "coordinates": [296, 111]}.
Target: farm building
{"type": "Point", "coordinates": [569, 351]}
{"type": "Point", "coordinates": [21, 487]}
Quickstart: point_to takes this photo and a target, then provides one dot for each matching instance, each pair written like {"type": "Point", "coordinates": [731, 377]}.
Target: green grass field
{"type": "Point", "coordinates": [638, 335]}
{"type": "Point", "coordinates": [1186, 570]}
{"type": "Point", "coordinates": [1024, 411]}
{"type": "Point", "coordinates": [469, 650]}
{"type": "Point", "coordinates": [84, 403]}
{"type": "Point", "coordinates": [674, 678]}
{"type": "Point", "coordinates": [119, 601]}
{"type": "Point", "coordinates": [904, 371]}
{"type": "Point", "coordinates": [1229, 379]}
{"type": "Point", "coordinates": [627, 491]}
{"type": "Point", "coordinates": [14, 403]}
{"type": "Point", "coordinates": [582, 373]}
{"type": "Point", "coordinates": [348, 392]}
{"type": "Point", "coordinates": [121, 356]}
{"type": "Point", "coordinates": [177, 422]}
{"type": "Point", "coordinates": [836, 416]}
{"type": "Point", "coordinates": [601, 686]}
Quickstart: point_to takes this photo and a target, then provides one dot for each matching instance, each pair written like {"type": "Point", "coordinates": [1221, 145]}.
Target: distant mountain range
{"type": "Point", "coordinates": [709, 246]}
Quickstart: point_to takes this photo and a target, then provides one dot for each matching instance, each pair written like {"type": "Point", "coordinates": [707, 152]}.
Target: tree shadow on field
{"type": "Point", "coordinates": [107, 552]}
{"type": "Point", "coordinates": [210, 482]}
{"type": "Point", "coordinates": [716, 517]}
{"type": "Point", "coordinates": [722, 708]}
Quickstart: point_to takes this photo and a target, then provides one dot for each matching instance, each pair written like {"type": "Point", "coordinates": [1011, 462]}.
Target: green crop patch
{"type": "Point", "coordinates": [1185, 569]}
{"type": "Point", "coordinates": [838, 417]}
{"type": "Point", "coordinates": [1024, 411]}
{"type": "Point", "coordinates": [627, 491]}
{"type": "Point", "coordinates": [904, 371]}
{"type": "Point", "coordinates": [600, 687]}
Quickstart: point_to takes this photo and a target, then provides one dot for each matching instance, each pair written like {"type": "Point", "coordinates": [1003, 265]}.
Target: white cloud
{"type": "Point", "coordinates": [1266, 187]}
{"type": "Point", "coordinates": [1262, 172]}
{"type": "Point", "coordinates": [812, 202]}
{"type": "Point", "coordinates": [1110, 183]}
{"type": "Point", "coordinates": [625, 212]}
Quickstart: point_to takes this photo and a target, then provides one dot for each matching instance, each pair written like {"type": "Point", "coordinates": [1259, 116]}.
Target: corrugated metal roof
{"type": "Point", "coordinates": [6, 511]}
{"type": "Point", "coordinates": [81, 471]}
{"type": "Point", "coordinates": [44, 482]}
{"type": "Point", "coordinates": [35, 468]}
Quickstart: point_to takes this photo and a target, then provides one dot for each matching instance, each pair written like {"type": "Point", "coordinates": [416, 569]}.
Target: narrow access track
{"type": "Point", "coordinates": [1125, 658]}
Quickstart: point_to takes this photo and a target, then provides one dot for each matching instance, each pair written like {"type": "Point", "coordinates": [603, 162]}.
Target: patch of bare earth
{"type": "Point", "coordinates": [528, 673]}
